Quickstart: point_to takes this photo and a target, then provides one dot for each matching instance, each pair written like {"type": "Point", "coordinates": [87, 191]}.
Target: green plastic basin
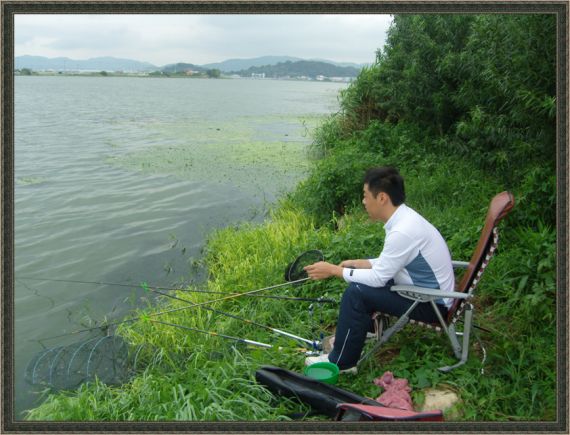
{"type": "Point", "coordinates": [326, 372]}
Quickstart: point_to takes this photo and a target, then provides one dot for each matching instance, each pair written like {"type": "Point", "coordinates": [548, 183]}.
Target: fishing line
{"type": "Point", "coordinates": [238, 339]}
{"type": "Point", "coordinates": [294, 270]}
{"type": "Point", "coordinates": [106, 326]}
{"type": "Point", "coordinates": [291, 298]}
{"type": "Point", "coordinates": [215, 334]}
{"type": "Point", "coordinates": [36, 292]}
{"type": "Point", "coordinates": [344, 344]}
{"type": "Point", "coordinates": [233, 316]}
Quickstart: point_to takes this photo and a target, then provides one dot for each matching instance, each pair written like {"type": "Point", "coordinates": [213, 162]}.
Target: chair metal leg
{"type": "Point", "coordinates": [465, 347]}
{"type": "Point", "coordinates": [455, 345]}
{"type": "Point", "coordinates": [449, 330]}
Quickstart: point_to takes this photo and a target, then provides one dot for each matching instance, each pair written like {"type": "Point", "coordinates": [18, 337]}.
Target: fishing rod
{"type": "Point", "coordinates": [293, 273]}
{"type": "Point", "coordinates": [238, 339]}
{"type": "Point", "coordinates": [290, 298]}
{"type": "Point", "coordinates": [312, 343]}
{"type": "Point", "coordinates": [134, 319]}
{"type": "Point", "coordinates": [293, 270]}
{"type": "Point", "coordinates": [215, 334]}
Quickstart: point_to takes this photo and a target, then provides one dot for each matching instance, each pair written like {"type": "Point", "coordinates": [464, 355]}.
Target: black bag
{"type": "Point", "coordinates": [321, 397]}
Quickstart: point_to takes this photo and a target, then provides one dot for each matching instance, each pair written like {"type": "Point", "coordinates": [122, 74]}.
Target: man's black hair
{"type": "Point", "coordinates": [388, 180]}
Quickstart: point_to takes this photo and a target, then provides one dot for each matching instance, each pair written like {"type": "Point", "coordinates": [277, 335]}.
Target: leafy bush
{"type": "Point", "coordinates": [480, 87]}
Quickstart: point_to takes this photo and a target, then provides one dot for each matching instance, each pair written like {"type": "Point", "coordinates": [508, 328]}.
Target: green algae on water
{"type": "Point", "coordinates": [29, 181]}
{"type": "Point", "coordinates": [266, 154]}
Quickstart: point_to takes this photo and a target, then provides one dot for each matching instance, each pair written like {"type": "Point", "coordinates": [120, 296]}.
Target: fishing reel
{"type": "Point", "coordinates": [317, 348]}
{"type": "Point", "coordinates": [312, 349]}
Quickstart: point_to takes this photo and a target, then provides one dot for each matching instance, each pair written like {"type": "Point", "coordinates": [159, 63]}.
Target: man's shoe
{"type": "Point", "coordinates": [315, 359]}
{"type": "Point", "coordinates": [371, 336]}
{"type": "Point", "coordinates": [325, 358]}
{"type": "Point", "coordinates": [350, 371]}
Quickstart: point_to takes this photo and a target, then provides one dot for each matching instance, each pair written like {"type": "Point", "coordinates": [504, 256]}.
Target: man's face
{"type": "Point", "coordinates": [373, 205]}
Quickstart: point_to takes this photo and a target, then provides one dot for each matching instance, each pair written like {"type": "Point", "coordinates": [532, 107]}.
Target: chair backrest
{"type": "Point", "coordinates": [500, 206]}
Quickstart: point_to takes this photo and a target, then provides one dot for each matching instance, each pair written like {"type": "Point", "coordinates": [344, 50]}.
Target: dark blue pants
{"type": "Point", "coordinates": [358, 303]}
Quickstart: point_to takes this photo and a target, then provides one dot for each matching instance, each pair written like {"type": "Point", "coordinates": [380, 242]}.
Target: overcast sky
{"type": "Point", "coordinates": [201, 39]}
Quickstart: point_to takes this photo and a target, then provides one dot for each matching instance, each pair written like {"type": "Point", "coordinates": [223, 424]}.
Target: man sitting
{"type": "Point", "coordinates": [414, 253]}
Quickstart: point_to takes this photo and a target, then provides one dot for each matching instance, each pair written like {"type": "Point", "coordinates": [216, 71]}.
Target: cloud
{"type": "Point", "coordinates": [194, 38]}
{"type": "Point", "coordinates": [343, 38]}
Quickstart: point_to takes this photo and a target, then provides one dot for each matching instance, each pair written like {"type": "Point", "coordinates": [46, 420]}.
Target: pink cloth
{"type": "Point", "coordinates": [396, 392]}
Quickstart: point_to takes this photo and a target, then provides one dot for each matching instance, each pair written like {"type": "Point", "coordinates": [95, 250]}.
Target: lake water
{"type": "Point", "coordinates": [119, 180]}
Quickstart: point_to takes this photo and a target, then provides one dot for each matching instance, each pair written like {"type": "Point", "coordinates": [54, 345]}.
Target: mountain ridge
{"type": "Point", "coordinates": [300, 69]}
{"type": "Point", "coordinates": [104, 63]}
{"type": "Point", "coordinates": [109, 63]}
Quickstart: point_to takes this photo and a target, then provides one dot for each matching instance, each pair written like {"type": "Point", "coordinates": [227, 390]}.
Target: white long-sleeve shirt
{"type": "Point", "coordinates": [414, 253]}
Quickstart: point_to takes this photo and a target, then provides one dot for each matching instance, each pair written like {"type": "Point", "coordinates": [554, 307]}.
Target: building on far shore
{"type": "Point", "coordinates": [321, 78]}
{"type": "Point", "coordinates": [341, 79]}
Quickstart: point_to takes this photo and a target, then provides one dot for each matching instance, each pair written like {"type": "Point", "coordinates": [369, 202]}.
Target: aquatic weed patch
{"type": "Point", "coordinates": [30, 181]}
{"type": "Point", "coordinates": [264, 154]}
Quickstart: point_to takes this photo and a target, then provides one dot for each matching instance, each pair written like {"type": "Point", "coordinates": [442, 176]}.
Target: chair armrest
{"type": "Point", "coordinates": [428, 293]}
{"type": "Point", "coordinates": [459, 264]}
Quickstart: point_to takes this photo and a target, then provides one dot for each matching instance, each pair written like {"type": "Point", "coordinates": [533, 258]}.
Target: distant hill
{"type": "Point", "coordinates": [182, 67]}
{"type": "Point", "coordinates": [352, 64]}
{"type": "Point", "coordinates": [242, 64]}
{"type": "Point", "coordinates": [40, 63]}
{"type": "Point", "coordinates": [232, 65]}
{"type": "Point", "coordinates": [306, 68]}
{"type": "Point", "coordinates": [272, 66]}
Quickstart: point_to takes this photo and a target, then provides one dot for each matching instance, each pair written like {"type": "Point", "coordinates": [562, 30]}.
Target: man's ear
{"type": "Point", "coordinates": [385, 198]}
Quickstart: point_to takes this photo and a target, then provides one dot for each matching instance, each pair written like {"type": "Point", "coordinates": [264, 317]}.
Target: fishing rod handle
{"type": "Point", "coordinates": [256, 343]}
{"type": "Point", "coordinates": [288, 334]}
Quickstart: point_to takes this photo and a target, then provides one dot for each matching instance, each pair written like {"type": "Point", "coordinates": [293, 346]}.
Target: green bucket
{"type": "Point", "coordinates": [326, 372]}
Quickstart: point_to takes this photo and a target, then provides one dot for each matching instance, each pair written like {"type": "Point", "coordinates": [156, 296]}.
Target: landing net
{"type": "Point", "coordinates": [110, 359]}
{"type": "Point", "coordinates": [295, 272]}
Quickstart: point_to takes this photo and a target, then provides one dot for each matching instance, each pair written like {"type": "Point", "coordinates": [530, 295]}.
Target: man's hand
{"type": "Point", "coordinates": [323, 270]}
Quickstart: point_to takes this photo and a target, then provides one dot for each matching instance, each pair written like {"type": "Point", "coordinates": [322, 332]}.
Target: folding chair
{"type": "Point", "coordinates": [500, 206]}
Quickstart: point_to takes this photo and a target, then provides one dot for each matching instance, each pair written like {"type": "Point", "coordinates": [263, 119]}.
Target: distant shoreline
{"type": "Point", "coordinates": [176, 76]}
